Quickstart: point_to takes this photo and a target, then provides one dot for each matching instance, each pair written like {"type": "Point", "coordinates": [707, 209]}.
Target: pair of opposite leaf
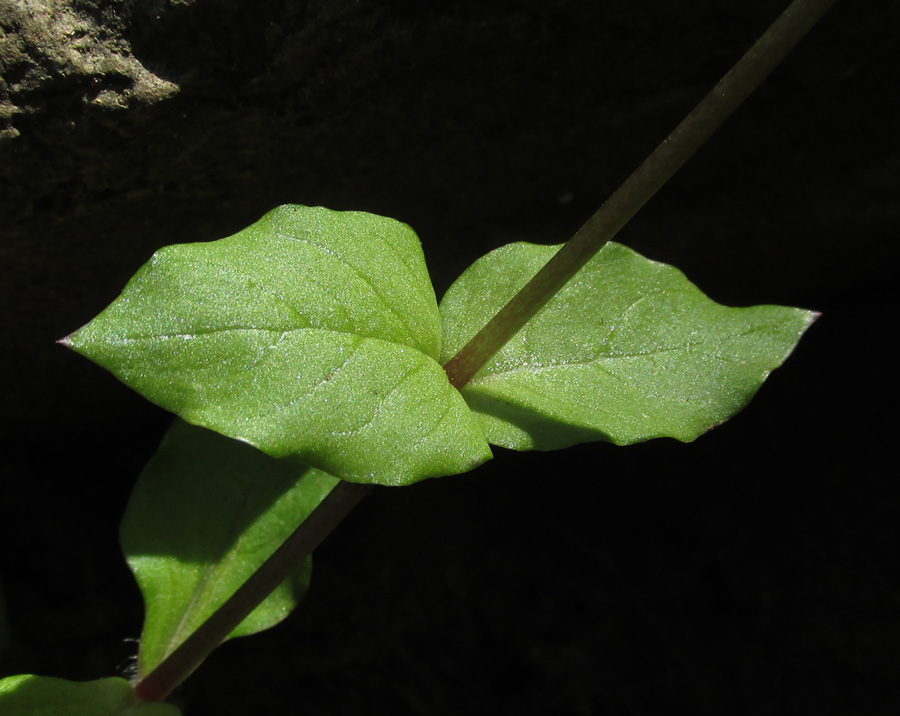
{"type": "Point", "coordinates": [316, 335]}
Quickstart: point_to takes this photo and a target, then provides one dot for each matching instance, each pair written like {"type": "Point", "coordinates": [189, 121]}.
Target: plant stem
{"type": "Point", "coordinates": [178, 665]}
{"type": "Point", "coordinates": [749, 72]}
{"type": "Point", "coordinates": [713, 110]}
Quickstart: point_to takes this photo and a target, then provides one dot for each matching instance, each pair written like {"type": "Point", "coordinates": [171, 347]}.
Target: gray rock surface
{"type": "Point", "coordinates": [50, 45]}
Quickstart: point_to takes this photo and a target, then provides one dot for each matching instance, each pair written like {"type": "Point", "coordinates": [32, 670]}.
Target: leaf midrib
{"type": "Point", "coordinates": [256, 329]}
{"type": "Point", "coordinates": [234, 538]}
{"type": "Point", "coordinates": [605, 357]}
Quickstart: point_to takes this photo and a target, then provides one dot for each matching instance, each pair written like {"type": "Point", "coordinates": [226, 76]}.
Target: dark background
{"type": "Point", "coordinates": [754, 571]}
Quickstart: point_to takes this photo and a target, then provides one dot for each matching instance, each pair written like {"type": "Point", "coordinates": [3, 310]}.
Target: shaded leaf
{"type": "Point", "coordinates": [29, 695]}
{"type": "Point", "coordinates": [312, 333]}
{"type": "Point", "coordinates": [629, 350]}
{"type": "Point", "coordinates": [205, 513]}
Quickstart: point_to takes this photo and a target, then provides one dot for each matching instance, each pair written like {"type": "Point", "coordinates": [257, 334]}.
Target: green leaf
{"type": "Point", "coordinates": [629, 350]}
{"type": "Point", "coordinates": [29, 695]}
{"type": "Point", "coordinates": [205, 513]}
{"type": "Point", "coordinates": [312, 333]}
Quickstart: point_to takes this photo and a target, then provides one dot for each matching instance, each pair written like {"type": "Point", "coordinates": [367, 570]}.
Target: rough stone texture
{"type": "Point", "coordinates": [742, 572]}
{"type": "Point", "coordinates": [55, 48]}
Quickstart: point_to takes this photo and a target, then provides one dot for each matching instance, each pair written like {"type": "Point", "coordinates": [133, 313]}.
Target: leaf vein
{"type": "Point", "coordinates": [365, 279]}
{"type": "Point", "coordinates": [381, 403]}
{"type": "Point", "coordinates": [601, 358]}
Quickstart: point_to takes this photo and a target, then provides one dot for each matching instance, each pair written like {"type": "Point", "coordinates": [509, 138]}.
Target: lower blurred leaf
{"type": "Point", "coordinates": [206, 512]}
{"type": "Point", "coordinates": [29, 695]}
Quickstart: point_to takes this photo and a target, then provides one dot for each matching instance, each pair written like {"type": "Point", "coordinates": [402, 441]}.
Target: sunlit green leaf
{"type": "Point", "coordinates": [206, 512]}
{"type": "Point", "coordinates": [629, 350]}
{"type": "Point", "coordinates": [29, 695]}
{"type": "Point", "coordinates": [312, 333]}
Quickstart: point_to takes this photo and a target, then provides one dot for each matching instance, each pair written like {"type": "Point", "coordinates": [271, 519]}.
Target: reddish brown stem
{"type": "Point", "coordinates": [178, 665]}
{"type": "Point", "coordinates": [746, 75]}
{"type": "Point", "coordinates": [712, 111]}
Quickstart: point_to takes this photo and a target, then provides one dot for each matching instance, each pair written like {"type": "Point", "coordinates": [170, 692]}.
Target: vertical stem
{"type": "Point", "coordinates": [749, 72]}
{"type": "Point", "coordinates": [178, 665]}
{"type": "Point", "coordinates": [696, 128]}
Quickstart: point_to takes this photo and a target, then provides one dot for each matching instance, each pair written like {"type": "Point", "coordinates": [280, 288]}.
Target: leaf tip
{"type": "Point", "coordinates": [809, 318]}
{"type": "Point", "coordinates": [65, 341]}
